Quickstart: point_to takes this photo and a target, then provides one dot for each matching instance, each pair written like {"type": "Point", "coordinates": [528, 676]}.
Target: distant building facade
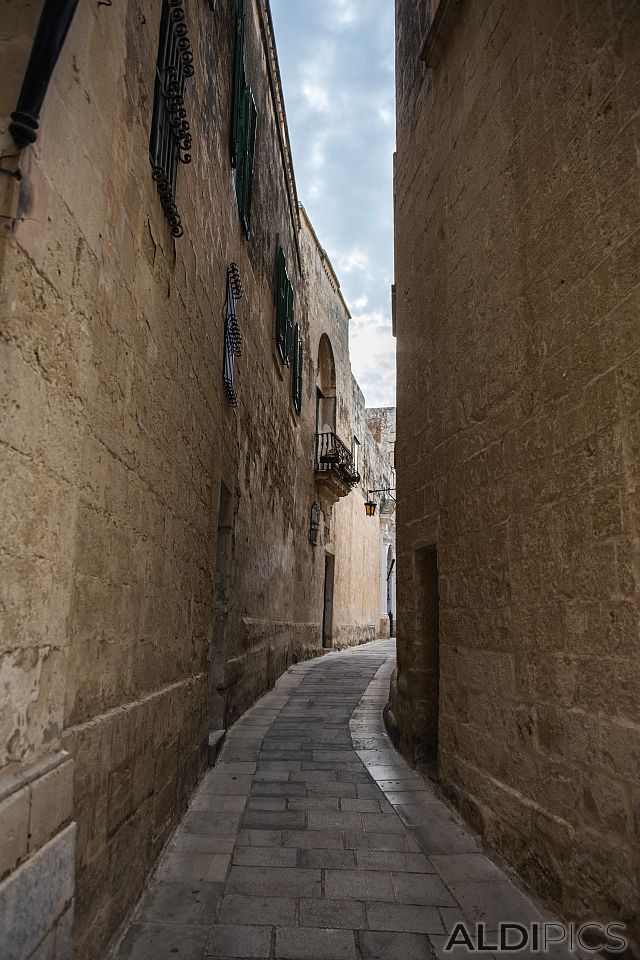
{"type": "Point", "coordinates": [517, 296]}
{"type": "Point", "coordinates": [178, 526]}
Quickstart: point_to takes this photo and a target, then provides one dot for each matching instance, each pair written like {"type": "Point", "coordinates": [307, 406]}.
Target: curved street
{"type": "Point", "coordinates": [311, 839]}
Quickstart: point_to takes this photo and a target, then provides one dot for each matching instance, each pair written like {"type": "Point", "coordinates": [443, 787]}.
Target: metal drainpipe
{"type": "Point", "coordinates": [53, 27]}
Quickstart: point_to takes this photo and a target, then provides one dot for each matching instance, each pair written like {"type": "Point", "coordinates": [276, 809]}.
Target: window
{"type": "Point", "coordinates": [297, 369]}
{"type": "Point", "coordinates": [244, 118]}
{"type": "Point", "coordinates": [232, 335]}
{"type": "Point", "coordinates": [170, 139]}
{"type": "Point", "coordinates": [244, 157]}
{"type": "Point", "coordinates": [284, 309]}
{"type": "Point", "coordinates": [355, 454]}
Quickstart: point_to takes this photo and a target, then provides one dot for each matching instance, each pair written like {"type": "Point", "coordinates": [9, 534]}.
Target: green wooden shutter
{"type": "Point", "coordinates": [247, 120]}
{"type": "Point", "coordinates": [290, 344]}
{"type": "Point", "coordinates": [297, 369]}
{"type": "Point", "coordinates": [282, 282]}
{"type": "Point", "coordinates": [238, 83]}
{"type": "Point", "coordinates": [250, 148]}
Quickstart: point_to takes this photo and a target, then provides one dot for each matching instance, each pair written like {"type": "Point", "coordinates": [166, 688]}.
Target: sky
{"type": "Point", "coordinates": [337, 64]}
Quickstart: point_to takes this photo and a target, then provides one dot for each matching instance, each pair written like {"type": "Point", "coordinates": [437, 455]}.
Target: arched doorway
{"type": "Point", "coordinates": [326, 388]}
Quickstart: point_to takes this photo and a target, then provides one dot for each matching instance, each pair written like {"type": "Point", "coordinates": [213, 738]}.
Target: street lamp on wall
{"type": "Point", "coordinates": [370, 505]}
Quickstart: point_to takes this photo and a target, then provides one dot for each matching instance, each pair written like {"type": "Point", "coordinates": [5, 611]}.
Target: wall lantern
{"type": "Point", "coordinates": [370, 505]}
{"type": "Point", "coordinates": [314, 523]}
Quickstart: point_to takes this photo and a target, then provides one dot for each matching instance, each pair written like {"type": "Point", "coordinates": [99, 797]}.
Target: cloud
{"type": "Point", "coordinates": [344, 11]}
{"type": "Point", "coordinates": [355, 259]}
{"type": "Point", "coordinates": [339, 91]}
{"type": "Point", "coordinates": [317, 97]}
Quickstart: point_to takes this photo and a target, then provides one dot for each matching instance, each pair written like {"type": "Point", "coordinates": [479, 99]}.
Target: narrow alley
{"type": "Point", "coordinates": [311, 838]}
{"type": "Point", "coordinates": [319, 479]}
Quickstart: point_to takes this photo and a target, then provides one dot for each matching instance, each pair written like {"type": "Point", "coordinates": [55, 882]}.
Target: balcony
{"type": "Point", "coordinates": [335, 471]}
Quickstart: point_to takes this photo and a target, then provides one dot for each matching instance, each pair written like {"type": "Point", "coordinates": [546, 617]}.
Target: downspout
{"type": "Point", "coordinates": [53, 27]}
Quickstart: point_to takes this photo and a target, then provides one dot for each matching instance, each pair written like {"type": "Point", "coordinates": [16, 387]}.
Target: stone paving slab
{"type": "Point", "coordinates": [311, 839]}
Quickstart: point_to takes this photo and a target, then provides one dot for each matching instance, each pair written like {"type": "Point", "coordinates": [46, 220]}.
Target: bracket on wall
{"type": "Point", "coordinates": [53, 27]}
{"type": "Point", "coordinates": [370, 505]}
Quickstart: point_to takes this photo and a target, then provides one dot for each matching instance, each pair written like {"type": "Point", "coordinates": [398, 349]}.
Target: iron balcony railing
{"type": "Point", "coordinates": [333, 456]}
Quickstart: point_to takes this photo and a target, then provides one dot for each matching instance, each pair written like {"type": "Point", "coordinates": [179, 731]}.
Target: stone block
{"type": "Point", "coordinates": [269, 911]}
{"type": "Point", "coordinates": [36, 895]}
{"type": "Point", "coordinates": [375, 945]}
{"type": "Point", "coordinates": [236, 940]}
{"type": "Point", "coordinates": [314, 944]}
{"type": "Point", "coordinates": [51, 803]}
{"type": "Point", "coordinates": [164, 941]}
{"type": "Point", "coordinates": [182, 902]}
{"type": "Point", "coordinates": [275, 881]}
{"type": "Point", "coordinates": [14, 817]}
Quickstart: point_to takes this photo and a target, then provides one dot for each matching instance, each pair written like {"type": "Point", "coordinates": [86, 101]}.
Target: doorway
{"type": "Point", "coordinates": [391, 562]}
{"type": "Point", "coordinates": [224, 547]}
{"type": "Point", "coordinates": [327, 610]}
{"type": "Point", "coordinates": [427, 627]}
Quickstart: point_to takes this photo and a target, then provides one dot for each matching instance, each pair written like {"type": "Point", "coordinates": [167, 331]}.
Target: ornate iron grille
{"type": "Point", "coordinates": [232, 335]}
{"type": "Point", "coordinates": [170, 140]}
{"type": "Point", "coordinates": [333, 455]}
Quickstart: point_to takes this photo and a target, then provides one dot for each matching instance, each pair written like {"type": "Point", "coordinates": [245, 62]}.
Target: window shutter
{"type": "Point", "coordinates": [238, 83]}
{"type": "Point", "coordinates": [297, 369]}
{"type": "Point", "coordinates": [250, 146]}
{"type": "Point", "coordinates": [282, 282]}
{"type": "Point", "coordinates": [247, 120]}
{"type": "Point", "coordinates": [290, 344]}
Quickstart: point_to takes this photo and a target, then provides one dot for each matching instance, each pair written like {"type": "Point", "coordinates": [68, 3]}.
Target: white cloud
{"type": "Point", "coordinates": [345, 11]}
{"type": "Point", "coordinates": [355, 259]}
{"type": "Point", "coordinates": [339, 90]}
{"type": "Point", "coordinates": [316, 96]}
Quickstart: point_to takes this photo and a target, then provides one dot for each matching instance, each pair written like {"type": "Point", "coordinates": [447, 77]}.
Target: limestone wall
{"type": "Point", "coordinates": [151, 533]}
{"type": "Point", "coordinates": [356, 541]}
{"type": "Point", "coordinates": [116, 432]}
{"type": "Point", "coordinates": [517, 294]}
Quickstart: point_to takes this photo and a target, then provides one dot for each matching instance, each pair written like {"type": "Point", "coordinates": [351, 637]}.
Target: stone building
{"type": "Point", "coordinates": [382, 424]}
{"type": "Point", "coordinates": [161, 345]}
{"type": "Point", "coordinates": [353, 547]}
{"type": "Point", "coordinates": [517, 297]}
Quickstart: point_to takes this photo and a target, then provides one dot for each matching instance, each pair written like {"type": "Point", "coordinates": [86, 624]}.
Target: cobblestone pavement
{"type": "Point", "coordinates": [311, 839]}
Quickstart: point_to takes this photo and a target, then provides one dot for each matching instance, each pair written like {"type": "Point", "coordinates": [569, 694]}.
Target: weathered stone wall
{"type": "Point", "coordinates": [518, 287]}
{"type": "Point", "coordinates": [346, 532]}
{"type": "Point", "coordinates": [116, 434]}
{"type": "Point", "coordinates": [134, 617]}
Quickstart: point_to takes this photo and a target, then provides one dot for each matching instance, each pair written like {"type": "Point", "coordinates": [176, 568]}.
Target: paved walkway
{"type": "Point", "coordinates": [311, 839]}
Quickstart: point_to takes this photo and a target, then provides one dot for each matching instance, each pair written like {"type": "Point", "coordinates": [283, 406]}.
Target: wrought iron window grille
{"type": "Point", "coordinates": [232, 335]}
{"type": "Point", "coordinates": [170, 140]}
